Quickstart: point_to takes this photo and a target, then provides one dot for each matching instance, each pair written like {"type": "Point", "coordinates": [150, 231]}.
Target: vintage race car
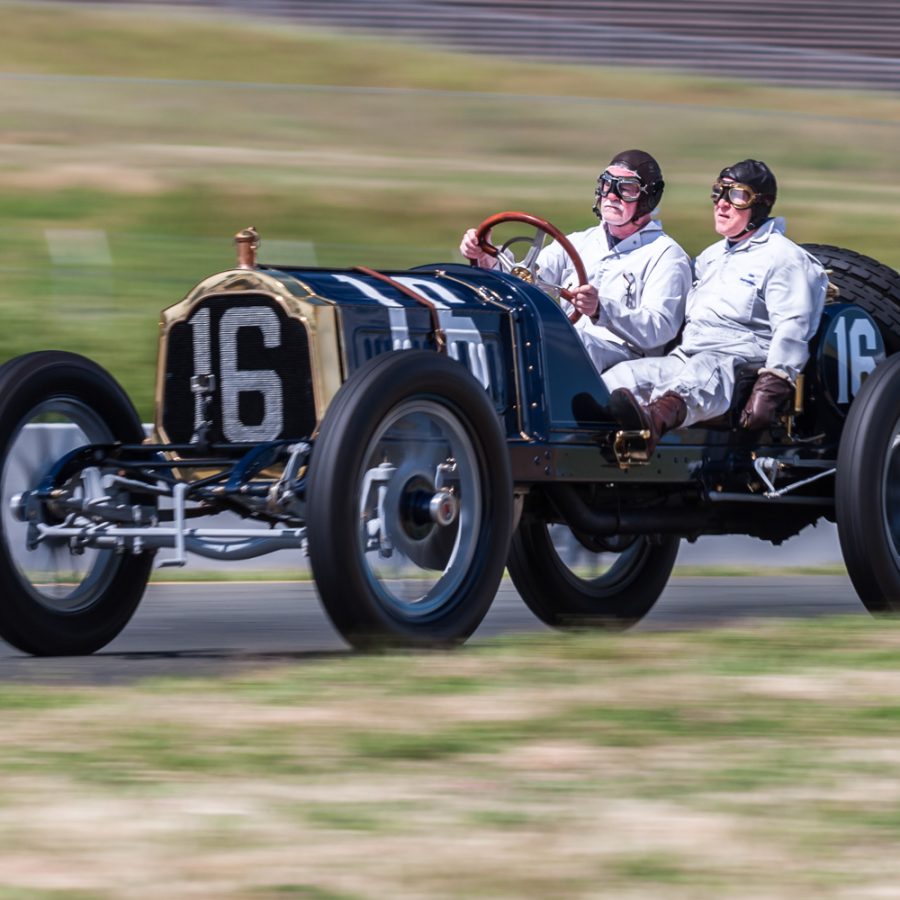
{"type": "Point", "coordinates": [415, 433]}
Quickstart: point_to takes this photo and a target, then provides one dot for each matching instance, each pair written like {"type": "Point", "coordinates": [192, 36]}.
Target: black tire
{"type": "Point", "coordinates": [868, 283]}
{"type": "Point", "coordinates": [568, 586]}
{"type": "Point", "coordinates": [867, 489]}
{"type": "Point", "coordinates": [53, 602]}
{"type": "Point", "coordinates": [399, 578]}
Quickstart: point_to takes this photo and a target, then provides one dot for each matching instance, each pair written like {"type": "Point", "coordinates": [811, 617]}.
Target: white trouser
{"type": "Point", "coordinates": [705, 381]}
{"type": "Point", "coordinates": [605, 354]}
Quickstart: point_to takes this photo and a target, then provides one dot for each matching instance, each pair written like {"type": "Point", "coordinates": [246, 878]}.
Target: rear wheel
{"type": "Point", "coordinates": [867, 489]}
{"type": "Point", "coordinates": [571, 581]}
{"type": "Point", "coordinates": [54, 601]}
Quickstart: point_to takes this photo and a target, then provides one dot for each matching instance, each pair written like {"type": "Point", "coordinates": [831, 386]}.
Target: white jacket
{"type": "Point", "coordinates": [761, 299]}
{"type": "Point", "coordinates": [642, 282]}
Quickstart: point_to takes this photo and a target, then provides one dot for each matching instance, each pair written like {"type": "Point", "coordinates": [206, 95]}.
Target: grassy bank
{"type": "Point", "coordinates": [749, 762]}
{"type": "Point", "coordinates": [135, 145]}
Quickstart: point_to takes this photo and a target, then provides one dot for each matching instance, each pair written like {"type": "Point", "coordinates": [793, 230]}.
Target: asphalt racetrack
{"type": "Point", "coordinates": [213, 629]}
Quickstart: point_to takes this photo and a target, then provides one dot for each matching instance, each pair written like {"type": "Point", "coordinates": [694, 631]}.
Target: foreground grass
{"type": "Point", "coordinates": [753, 762]}
{"type": "Point", "coordinates": [135, 146]}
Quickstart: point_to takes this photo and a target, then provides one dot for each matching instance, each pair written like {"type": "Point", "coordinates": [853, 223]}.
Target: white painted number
{"type": "Point", "coordinates": [857, 355]}
{"type": "Point", "coordinates": [235, 381]}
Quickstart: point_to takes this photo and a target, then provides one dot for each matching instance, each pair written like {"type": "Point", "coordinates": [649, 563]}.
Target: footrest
{"type": "Point", "coordinates": [632, 448]}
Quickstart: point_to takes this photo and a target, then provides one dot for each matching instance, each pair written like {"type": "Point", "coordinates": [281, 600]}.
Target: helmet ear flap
{"type": "Point", "coordinates": [761, 210]}
{"type": "Point", "coordinates": [650, 200]}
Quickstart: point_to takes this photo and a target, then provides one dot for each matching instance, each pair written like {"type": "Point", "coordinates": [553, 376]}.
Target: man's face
{"type": "Point", "coordinates": [728, 221]}
{"type": "Point", "coordinates": [614, 210]}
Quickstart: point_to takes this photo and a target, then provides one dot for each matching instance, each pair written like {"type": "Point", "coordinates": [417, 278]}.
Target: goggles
{"type": "Point", "coordinates": [627, 188]}
{"type": "Point", "coordinates": [740, 196]}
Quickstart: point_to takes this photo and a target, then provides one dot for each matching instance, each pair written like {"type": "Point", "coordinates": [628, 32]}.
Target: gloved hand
{"type": "Point", "coordinates": [771, 397]}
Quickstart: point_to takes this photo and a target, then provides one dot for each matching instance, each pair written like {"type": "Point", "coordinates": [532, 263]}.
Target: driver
{"type": "Point", "coordinates": [757, 298]}
{"type": "Point", "coordinates": [638, 277]}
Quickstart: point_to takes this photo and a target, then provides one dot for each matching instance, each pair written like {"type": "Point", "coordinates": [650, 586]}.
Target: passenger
{"type": "Point", "coordinates": [757, 298]}
{"type": "Point", "coordinates": [638, 277]}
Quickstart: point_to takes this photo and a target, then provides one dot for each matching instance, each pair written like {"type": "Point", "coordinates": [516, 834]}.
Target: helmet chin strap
{"type": "Point", "coordinates": [752, 226]}
{"type": "Point", "coordinates": [744, 233]}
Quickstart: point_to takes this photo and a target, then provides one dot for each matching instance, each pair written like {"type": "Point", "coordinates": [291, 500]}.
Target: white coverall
{"type": "Point", "coordinates": [642, 282]}
{"type": "Point", "coordinates": [757, 301]}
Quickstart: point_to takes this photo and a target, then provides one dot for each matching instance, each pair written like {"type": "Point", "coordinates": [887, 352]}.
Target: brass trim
{"type": "Point", "coordinates": [798, 394]}
{"type": "Point", "coordinates": [832, 291]}
{"type": "Point", "coordinates": [315, 313]}
{"type": "Point", "coordinates": [722, 189]}
{"type": "Point", "coordinates": [523, 273]}
{"type": "Point", "coordinates": [247, 243]}
{"type": "Point", "coordinates": [483, 293]}
{"type": "Point", "coordinates": [630, 448]}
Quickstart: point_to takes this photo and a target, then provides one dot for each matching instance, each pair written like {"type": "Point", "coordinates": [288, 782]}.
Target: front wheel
{"type": "Point", "coordinates": [570, 581]}
{"type": "Point", "coordinates": [54, 601]}
{"type": "Point", "coordinates": [867, 489]}
{"type": "Point", "coordinates": [409, 507]}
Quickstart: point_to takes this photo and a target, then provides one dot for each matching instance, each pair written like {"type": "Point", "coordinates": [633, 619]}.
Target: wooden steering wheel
{"type": "Point", "coordinates": [526, 268]}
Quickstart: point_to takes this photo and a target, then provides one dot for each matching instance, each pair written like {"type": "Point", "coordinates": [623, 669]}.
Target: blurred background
{"type": "Point", "coordinates": [139, 137]}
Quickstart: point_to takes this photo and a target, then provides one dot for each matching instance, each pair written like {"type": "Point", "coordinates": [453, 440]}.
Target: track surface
{"type": "Point", "coordinates": [209, 630]}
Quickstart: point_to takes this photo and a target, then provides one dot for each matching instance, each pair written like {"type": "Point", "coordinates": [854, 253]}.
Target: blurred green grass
{"type": "Point", "coordinates": [136, 144]}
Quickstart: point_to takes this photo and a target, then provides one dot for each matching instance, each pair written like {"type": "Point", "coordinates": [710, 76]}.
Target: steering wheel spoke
{"type": "Point", "coordinates": [537, 244]}
{"type": "Point", "coordinates": [505, 261]}
{"type": "Point", "coordinates": [553, 290]}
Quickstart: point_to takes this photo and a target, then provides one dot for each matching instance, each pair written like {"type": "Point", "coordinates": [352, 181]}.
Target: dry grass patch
{"type": "Point", "coordinates": [752, 762]}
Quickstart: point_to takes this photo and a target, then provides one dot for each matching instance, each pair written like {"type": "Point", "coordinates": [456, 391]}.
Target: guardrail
{"type": "Point", "coordinates": [811, 43]}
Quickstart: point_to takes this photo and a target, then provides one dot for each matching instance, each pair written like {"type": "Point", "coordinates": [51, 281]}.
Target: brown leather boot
{"type": "Point", "coordinates": [662, 415]}
{"type": "Point", "coordinates": [666, 412]}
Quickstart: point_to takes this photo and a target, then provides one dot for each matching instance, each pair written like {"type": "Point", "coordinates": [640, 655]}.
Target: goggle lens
{"type": "Point", "coordinates": [740, 196]}
{"type": "Point", "coordinates": [626, 188]}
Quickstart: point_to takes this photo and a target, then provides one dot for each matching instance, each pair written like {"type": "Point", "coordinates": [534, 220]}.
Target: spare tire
{"type": "Point", "coordinates": [868, 283]}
